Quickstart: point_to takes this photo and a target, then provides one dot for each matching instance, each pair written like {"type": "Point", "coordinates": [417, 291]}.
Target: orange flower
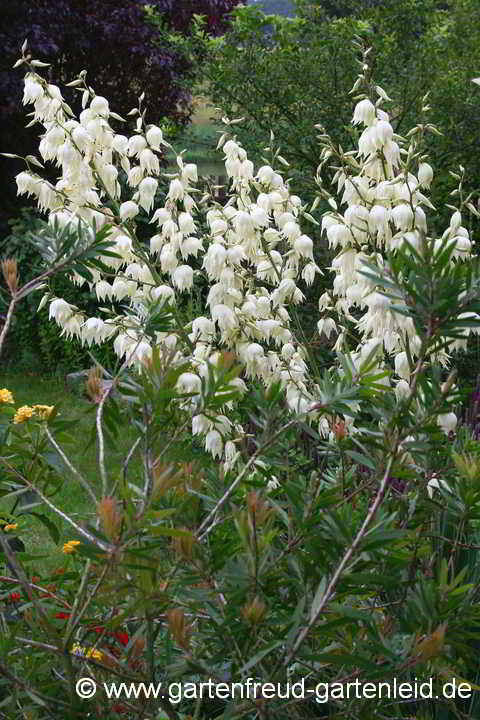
{"type": "Point", "coordinates": [70, 546]}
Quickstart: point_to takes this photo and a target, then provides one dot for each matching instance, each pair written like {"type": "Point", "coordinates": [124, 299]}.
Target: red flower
{"type": "Point", "coordinates": [14, 596]}
{"type": "Point", "coordinates": [62, 615]}
{"type": "Point", "coordinates": [122, 637]}
{"type": "Point", "coordinates": [119, 708]}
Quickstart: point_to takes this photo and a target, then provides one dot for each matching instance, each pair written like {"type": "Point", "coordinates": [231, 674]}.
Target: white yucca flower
{"type": "Point", "coordinates": [303, 245]}
{"type": "Point", "coordinates": [146, 193]}
{"type": "Point", "coordinates": [135, 175]}
{"type": "Point", "coordinates": [182, 278]}
{"type": "Point", "coordinates": [200, 424]}
{"type": "Point", "coordinates": [93, 331]}
{"type": "Point", "coordinates": [164, 293]}
{"type": "Point", "coordinates": [25, 183]}
{"type": "Point", "coordinates": [103, 290]}
{"type": "Point", "coordinates": [189, 173]}
{"type": "Point", "coordinates": [128, 210]}
{"type": "Point", "coordinates": [168, 258]}
{"type": "Point", "coordinates": [60, 310]}
{"type": "Point", "coordinates": [120, 144]}
{"type": "Point", "coordinates": [136, 144]}
{"type": "Point", "coordinates": [154, 137]}
{"type": "Point", "coordinates": [214, 443]}
{"type": "Point", "coordinates": [425, 174]}
{"type": "Point", "coordinates": [364, 113]}
{"type": "Point", "coordinates": [189, 383]}
{"type": "Point", "coordinates": [149, 162]}
{"type": "Point", "coordinates": [224, 317]}
{"type": "Point", "coordinates": [99, 105]}
{"type": "Point", "coordinates": [214, 260]}
{"type": "Point", "coordinates": [176, 191]}
{"type": "Point", "coordinates": [447, 422]}
{"type": "Point", "coordinates": [402, 216]}
{"type": "Point", "coordinates": [141, 353]}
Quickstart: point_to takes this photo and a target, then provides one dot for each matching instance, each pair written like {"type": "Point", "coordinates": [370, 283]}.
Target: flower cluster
{"type": "Point", "coordinates": [23, 413]}
{"type": "Point", "coordinates": [88, 653]}
{"type": "Point", "coordinates": [5, 396]}
{"type": "Point", "coordinates": [70, 547]}
{"type": "Point", "coordinates": [254, 254]}
{"type": "Point", "coordinates": [384, 210]}
{"type": "Point", "coordinates": [26, 412]}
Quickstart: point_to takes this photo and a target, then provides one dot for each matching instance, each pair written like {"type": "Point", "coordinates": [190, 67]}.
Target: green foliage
{"type": "Point", "coordinates": [33, 341]}
{"type": "Point", "coordinates": [315, 560]}
{"type": "Point", "coordinates": [419, 47]}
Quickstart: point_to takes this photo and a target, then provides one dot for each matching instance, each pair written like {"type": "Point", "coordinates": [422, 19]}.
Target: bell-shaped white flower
{"type": "Point", "coordinates": [99, 105]}
{"type": "Point", "coordinates": [303, 245]}
{"type": "Point", "coordinates": [447, 422]}
{"type": "Point", "coordinates": [60, 310]}
{"type": "Point", "coordinates": [154, 137]}
{"type": "Point", "coordinates": [183, 277]}
{"type": "Point", "coordinates": [128, 210]}
{"type": "Point", "coordinates": [402, 368]}
{"type": "Point", "coordinates": [214, 443]}
{"type": "Point", "coordinates": [402, 216]}
{"type": "Point", "coordinates": [146, 192]}
{"type": "Point", "coordinates": [425, 174]}
{"type": "Point", "coordinates": [176, 190]}
{"type": "Point", "coordinates": [224, 317]}
{"type": "Point", "coordinates": [364, 112]}
{"type": "Point", "coordinates": [189, 383]}
{"type": "Point", "coordinates": [163, 292]}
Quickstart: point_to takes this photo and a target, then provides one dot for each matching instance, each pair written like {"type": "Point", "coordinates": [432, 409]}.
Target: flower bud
{"type": "Point", "coordinates": [254, 612]}
{"type": "Point", "coordinates": [178, 626]}
{"type": "Point", "coordinates": [111, 517]}
{"type": "Point", "coordinates": [425, 175]}
{"type": "Point", "coordinates": [10, 274]}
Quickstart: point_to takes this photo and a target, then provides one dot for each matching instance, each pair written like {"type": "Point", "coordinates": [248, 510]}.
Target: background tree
{"type": "Point", "coordinates": [299, 74]}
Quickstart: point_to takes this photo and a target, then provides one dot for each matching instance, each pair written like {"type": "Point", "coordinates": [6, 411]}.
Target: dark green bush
{"type": "Point", "coordinates": [35, 342]}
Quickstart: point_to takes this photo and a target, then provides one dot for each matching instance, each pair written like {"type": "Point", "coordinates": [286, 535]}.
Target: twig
{"type": "Point", "coordinates": [330, 590]}
{"type": "Point", "coordinates": [207, 525]}
{"type": "Point", "coordinates": [129, 456]}
{"type": "Point", "coordinates": [44, 698]}
{"type": "Point", "coordinates": [78, 528]}
{"type": "Point", "coordinates": [5, 578]}
{"type": "Point", "coordinates": [83, 481]}
{"type": "Point", "coordinates": [8, 320]}
{"type": "Point", "coordinates": [101, 442]}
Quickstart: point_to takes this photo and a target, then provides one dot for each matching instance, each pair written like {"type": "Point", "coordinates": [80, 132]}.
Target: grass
{"type": "Point", "coordinates": [200, 139]}
{"type": "Point", "coordinates": [29, 388]}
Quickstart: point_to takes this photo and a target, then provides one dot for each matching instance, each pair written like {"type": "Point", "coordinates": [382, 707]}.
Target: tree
{"type": "Point", "coordinates": [122, 52]}
{"type": "Point", "coordinates": [299, 76]}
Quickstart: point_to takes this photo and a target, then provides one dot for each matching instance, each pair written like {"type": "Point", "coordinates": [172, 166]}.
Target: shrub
{"type": "Point", "coordinates": [229, 553]}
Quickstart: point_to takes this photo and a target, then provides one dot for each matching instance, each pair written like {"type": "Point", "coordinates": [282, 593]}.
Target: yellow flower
{"type": "Point", "coordinates": [81, 651]}
{"type": "Point", "coordinates": [95, 654]}
{"type": "Point", "coordinates": [69, 547]}
{"type": "Point", "coordinates": [23, 413]}
{"type": "Point", "coordinates": [44, 411]}
{"type": "Point", "coordinates": [6, 396]}
{"type": "Point", "coordinates": [10, 526]}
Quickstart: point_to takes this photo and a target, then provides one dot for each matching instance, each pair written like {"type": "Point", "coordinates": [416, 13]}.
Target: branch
{"type": "Point", "coordinates": [330, 590]}
{"type": "Point", "coordinates": [8, 320]}
{"type": "Point", "coordinates": [83, 481]}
